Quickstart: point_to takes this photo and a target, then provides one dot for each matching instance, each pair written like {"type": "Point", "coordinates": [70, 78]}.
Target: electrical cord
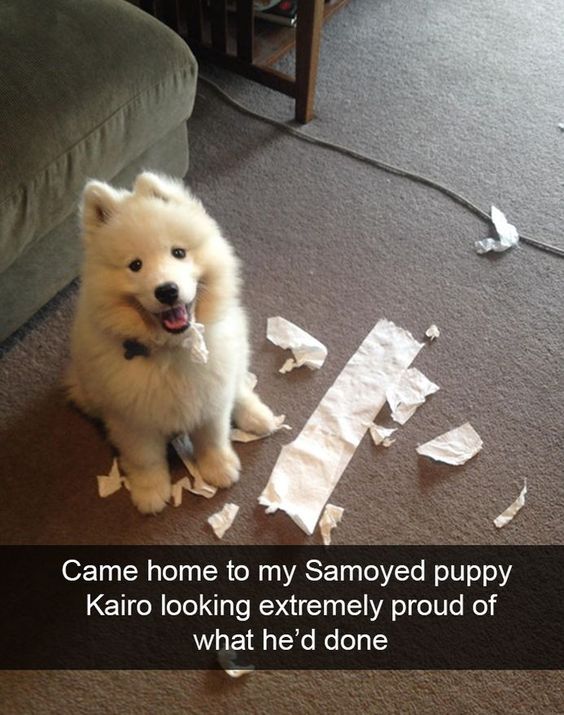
{"type": "Point", "coordinates": [378, 163]}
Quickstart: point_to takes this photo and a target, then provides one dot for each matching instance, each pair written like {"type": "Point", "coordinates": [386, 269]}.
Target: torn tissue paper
{"type": "Point", "coordinates": [183, 448]}
{"type": "Point", "coordinates": [382, 435]}
{"type": "Point", "coordinates": [222, 520]}
{"type": "Point", "coordinates": [195, 343]}
{"type": "Point", "coordinates": [226, 659]}
{"type": "Point", "coordinates": [410, 391]}
{"type": "Point", "coordinates": [454, 447]}
{"type": "Point", "coordinates": [308, 468]}
{"type": "Point", "coordinates": [251, 380]}
{"type": "Point", "coordinates": [176, 490]}
{"type": "Point", "coordinates": [239, 435]}
{"type": "Point", "coordinates": [506, 516]}
{"type": "Point", "coordinates": [506, 232]}
{"type": "Point", "coordinates": [306, 349]}
{"type": "Point", "coordinates": [331, 517]}
{"type": "Point", "coordinates": [432, 332]}
{"type": "Point", "coordinates": [111, 483]}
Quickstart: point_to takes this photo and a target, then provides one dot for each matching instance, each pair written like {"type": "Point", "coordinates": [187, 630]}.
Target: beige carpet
{"type": "Point", "coordinates": [467, 95]}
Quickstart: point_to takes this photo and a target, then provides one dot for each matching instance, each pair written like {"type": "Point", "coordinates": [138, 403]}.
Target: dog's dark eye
{"type": "Point", "coordinates": [179, 253]}
{"type": "Point", "coordinates": [135, 265]}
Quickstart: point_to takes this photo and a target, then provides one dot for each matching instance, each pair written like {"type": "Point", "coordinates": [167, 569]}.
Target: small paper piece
{"type": "Point", "coordinates": [182, 446]}
{"type": "Point", "coordinates": [331, 517]}
{"type": "Point", "coordinates": [454, 447]}
{"type": "Point", "coordinates": [432, 332]}
{"type": "Point", "coordinates": [506, 516]}
{"type": "Point", "coordinates": [176, 490]}
{"type": "Point", "coordinates": [239, 435]}
{"type": "Point", "coordinates": [561, 126]}
{"type": "Point", "coordinates": [251, 380]}
{"type": "Point", "coordinates": [199, 486]}
{"type": "Point", "coordinates": [226, 658]}
{"type": "Point", "coordinates": [382, 435]}
{"type": "Point", "coordinates": [306, 349]}
{"type": "Point", "coordinates": [308, 469]}
{"type": "Point", "coordinates": [408, 393]}
{"type": "Point", "coordinates": [506, 232]}
{"type": "Point", "coordinates": [222, 520]}
{"type": "Point", "coordinates": [196, 344]}
{"type": "Point", "coordinates": [111, 483]}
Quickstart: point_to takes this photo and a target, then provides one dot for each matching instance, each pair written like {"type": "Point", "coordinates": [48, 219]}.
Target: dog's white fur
{"type": "Point", "coordinates": [147, 400]}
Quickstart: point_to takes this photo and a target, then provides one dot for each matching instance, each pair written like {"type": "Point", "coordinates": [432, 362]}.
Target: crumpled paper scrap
{"type": "Point", "coordinates": [251, 380]}
{"type": "Point", "coordinates": [309, 468]}
{"type": "Point", "coordinates": [408, 393]}
{"type": "Point", "coordinates": [454, 447]}
{"type": "Point", "coordinates": [239, 435]}
{"type": "Point", "coordinates": [307, 350]}
{"type": "Point", "coordinates": [196, 344]}
{"type": "Point", "coordinates": [329, 520]}
{"type": "Point", "coordinates": [507, 235]}
{"type": "Point", "coordinates": [506, 516]}
{"type": "Point", "coordinates": [226, 659]}
{"type": "Point", "coordinates": [176, 490]}
{"type": "Point", "coordinates": [382, 435]}
{"type": "Point", "coordinates": [183, 448]}
{"type": "Point", "coordinates": [432, 332]}
{"type": "Point", "coordinates": [223, 519]}
{"type": "Point", "coordinates": [111, 483]}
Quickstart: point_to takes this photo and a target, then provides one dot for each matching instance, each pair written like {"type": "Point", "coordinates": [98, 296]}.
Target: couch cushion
{"type": "Point", "coordinates": [53, 260]}
{"type": "Point", "coordinates": [85, 88]}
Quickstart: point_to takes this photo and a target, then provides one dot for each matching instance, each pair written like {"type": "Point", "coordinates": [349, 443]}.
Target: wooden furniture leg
{"type": "Point", "coordinates": [308, 37]}
{"type": "Point", "coordinates": [210, 30]}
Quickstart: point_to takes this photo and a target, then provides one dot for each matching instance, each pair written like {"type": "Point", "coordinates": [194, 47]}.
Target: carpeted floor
{"type": "Point", "coordinates": [469, 94]}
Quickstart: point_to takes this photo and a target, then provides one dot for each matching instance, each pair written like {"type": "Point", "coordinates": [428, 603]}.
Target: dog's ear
{"type": "Point", "coordinates": [99, 203]}
{"type": "Point", "coordinates": [160, 187]}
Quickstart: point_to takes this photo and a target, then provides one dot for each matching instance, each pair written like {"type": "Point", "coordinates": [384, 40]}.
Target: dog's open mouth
{"type": "Point", "coordinates": [176, 319]}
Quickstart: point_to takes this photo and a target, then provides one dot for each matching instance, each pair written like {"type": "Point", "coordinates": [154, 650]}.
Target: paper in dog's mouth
{"type": "Point", "coordinates": [175, 319]}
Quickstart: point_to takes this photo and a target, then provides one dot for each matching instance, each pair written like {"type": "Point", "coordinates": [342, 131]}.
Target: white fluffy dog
{"type": "Point", "coordinates": [155, 262]}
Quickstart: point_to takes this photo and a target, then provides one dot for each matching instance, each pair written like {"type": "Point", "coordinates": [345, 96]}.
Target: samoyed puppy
{"type": "Point", "coordinates": [155, 265]}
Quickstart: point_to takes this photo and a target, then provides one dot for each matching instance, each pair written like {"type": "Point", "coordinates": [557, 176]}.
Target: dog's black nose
{"type": "Point", "coordinates": [167, 293]}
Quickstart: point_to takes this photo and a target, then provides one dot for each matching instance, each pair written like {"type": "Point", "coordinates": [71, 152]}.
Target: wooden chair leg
{"type": "Point", "coordinates": [308, 39]}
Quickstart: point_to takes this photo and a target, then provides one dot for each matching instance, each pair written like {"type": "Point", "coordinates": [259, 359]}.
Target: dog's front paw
{"type": "Point", "coordinates": [254, 416]}
{"type": "Point", "coordinates": [150, 499]}
{"type": "Point", "coordinates": [219, 467]}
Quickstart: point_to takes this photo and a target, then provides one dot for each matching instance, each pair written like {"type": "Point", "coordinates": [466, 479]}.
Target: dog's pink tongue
{"type": "Point", "coordinates": [175, 318]}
